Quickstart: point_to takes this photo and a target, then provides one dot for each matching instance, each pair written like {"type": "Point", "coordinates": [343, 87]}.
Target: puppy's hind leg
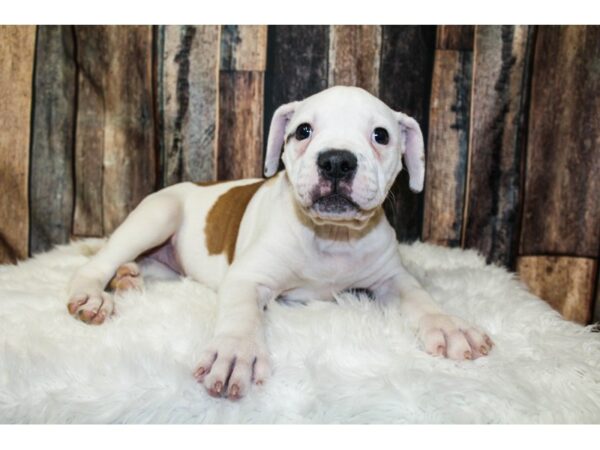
{"type": "Point", "coordinates": [152, 223]}
{"type": "Point", "coordinates": [128, 277]}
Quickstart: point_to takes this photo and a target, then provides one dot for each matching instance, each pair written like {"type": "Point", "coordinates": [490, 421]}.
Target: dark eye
{"type": "Point", "coordinates": [381, 136]}
{"type": "Point", "coordinates": [303, 131]}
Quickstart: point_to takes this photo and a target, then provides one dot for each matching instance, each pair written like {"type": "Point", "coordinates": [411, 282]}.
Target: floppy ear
{"type": "Point", "coordinates": [276, 136]}
{"type": "Point", "coordinates": [414, 151]}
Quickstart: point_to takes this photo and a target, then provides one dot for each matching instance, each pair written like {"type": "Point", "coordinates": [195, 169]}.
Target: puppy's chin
{"type": "Point", "coordinates": [336, 209]}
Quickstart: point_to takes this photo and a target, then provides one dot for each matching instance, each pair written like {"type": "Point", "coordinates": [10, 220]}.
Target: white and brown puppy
{"type": "Point", "coordinates": [311, 231]}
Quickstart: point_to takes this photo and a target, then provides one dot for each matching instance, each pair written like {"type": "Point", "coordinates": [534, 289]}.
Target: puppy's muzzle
{"type": "Point", "coordinates": [336, 171]}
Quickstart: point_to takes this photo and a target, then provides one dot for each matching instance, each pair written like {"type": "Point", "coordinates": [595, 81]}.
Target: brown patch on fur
{"type": "Point", "coordinates": [209, 183]}
{"type": "Point", "coordinates": [224, 218]}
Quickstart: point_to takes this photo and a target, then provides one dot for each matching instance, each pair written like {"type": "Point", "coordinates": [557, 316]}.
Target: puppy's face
{"type": "Point", "coordinates": [343, 150]}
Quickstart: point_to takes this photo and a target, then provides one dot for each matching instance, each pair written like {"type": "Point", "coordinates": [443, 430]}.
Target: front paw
{"type": "Point", "coordinates": [452, 337]}
{"type": "Point", "coordinates": [231, 364]}
{"type": "Point", "coordinates": [92, 307]}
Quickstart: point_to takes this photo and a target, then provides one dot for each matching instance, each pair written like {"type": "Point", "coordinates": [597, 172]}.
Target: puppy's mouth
{"type": "Point", "coordinates": [334, 204]}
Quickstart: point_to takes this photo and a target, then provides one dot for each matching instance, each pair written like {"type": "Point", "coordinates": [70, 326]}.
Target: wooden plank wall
{"type": "Point", "coordinates": [93, 118]}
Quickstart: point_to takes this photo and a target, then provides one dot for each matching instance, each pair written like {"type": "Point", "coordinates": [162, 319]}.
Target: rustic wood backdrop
{"type": "Point", "coordinates": [93, 118]}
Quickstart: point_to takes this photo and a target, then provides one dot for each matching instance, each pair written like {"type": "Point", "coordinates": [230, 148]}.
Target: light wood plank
{"type": "Point", "coordinates": [17, 48]}
{"type": "Point", "coordinates": [354, 56]}
{"type": "Point", "coordinates": [115, 155]}
{"type": "Point", "coordinates": [244, 47]}
{"type": "Point", "coordinates": [566, 283]}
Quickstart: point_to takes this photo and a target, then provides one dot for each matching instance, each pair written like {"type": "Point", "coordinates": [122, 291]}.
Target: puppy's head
{"type": "Point", "coordinates": [343, 148]}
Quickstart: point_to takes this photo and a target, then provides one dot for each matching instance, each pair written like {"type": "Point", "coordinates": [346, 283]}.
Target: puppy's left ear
{"type": "Point", "coordinates": [414, 151]}
{"type": "Point", "coordinates": [280, 119]}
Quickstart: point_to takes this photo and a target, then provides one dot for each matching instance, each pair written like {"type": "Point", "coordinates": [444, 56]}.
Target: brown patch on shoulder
{"type": "Point", "coordinates": [224, 218]}
{"type": "Point", "coordinates": [209, 183]}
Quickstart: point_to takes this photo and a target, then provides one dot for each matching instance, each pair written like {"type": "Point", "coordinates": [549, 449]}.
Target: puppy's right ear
{"type": "Point", "coordinates": [276, 136]}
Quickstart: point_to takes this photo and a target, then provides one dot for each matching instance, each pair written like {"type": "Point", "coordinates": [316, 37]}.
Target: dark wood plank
{"type": "Point", "coordinates": [187, 74]}
{"type": "Point", "coordinates": [561, 209]}
{"type": "Point", "coordinates": [567, 283]}
{"type": "Point", "coordinates": [296, 65]}
{"type": "Point", "coordinates": [502, 63]}
{"type": "Point", "coordinates": [241, 95]}
{"type": "Point", "coordinates": [115, 155]}
{"type": "Point", "coordinates": [455, 37]}
{"type": "Point", "coordinates": [51, 186]}
{"type": "Point", "coordinates": [448, 147]}
{"type": "Point", "coordinates": [354, 56]}
{"type": "Point", "coordinates": [405, 84]}
{"type": "Point", "coordinates": [243, 47]}
{"type": "Point", "coordinates": [17, 48]}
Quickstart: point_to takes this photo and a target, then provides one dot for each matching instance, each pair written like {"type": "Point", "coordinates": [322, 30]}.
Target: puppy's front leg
{"type": "Point", "coordinates": [237, 355]}
{"type": "Point", "coordinates": [440, 333]}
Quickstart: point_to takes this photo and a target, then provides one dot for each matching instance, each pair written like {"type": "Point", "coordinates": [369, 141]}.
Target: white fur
{"type": "Point", "coordinates": [351, 362]}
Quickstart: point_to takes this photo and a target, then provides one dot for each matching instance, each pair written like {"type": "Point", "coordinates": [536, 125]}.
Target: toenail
{"type": "Point", "coordinates": [483, 350]}
{"type": "Point", "coordinates": [468, 355]}
{"type": "Point", "coordinates": [234, 392]}
{"type": "Point", "coordinates": [218, 387]}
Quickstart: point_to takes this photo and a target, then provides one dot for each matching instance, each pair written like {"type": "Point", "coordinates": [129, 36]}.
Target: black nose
{"type": "Point", "coordinates": [337, 164]}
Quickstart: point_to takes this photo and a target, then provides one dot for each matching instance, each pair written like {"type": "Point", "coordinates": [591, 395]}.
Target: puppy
{"type": "Point", "coordinates": [306, 233]}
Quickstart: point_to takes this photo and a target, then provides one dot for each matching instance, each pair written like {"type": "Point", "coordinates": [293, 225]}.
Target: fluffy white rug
{"type": "Point", "coordinates": [351, 362]}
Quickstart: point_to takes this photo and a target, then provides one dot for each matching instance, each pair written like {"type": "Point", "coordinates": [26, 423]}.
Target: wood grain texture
{"type": "Point", "coordinates": [354, 56]}
{"type": "Point", "coordinates": [405, 84]}
{"type": "Point", "coordinates": [502, 63]}
{"type": "Point", "coordinates": [561, 211]}
{"type": "Point", "coordinates": [448, 147]}
{"type": "Point", "coordinates": [455, 37]}
{"type": "Point", "coordinates": [244, 47]}
{"type": "Point", "coordinates": [566, 283]}
{"type": "Point", "coordinates": [115, 156]}
{"type": "Point", "coordinates": [51, 187]}
{"type": "Point", "coordinates": [187, 74]}
{"type": "Point", "coordinates": [241, 96]}
{"type": "Point", "coordinates": [296, 65]}
{"type": "Point", "coordinates": [17, 48]}
{"type": "Point", "coordinates": [240, 153]}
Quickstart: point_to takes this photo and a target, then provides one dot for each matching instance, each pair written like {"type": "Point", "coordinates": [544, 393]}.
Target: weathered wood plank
{"type": "Point", "coordinates": [561, 212]}
{"type": "Point", "coordinates": [354, 56]}
{"type": "Point", "coordinates": [296, 65]}
{"type": "Point", "coordinates": [567, 283]}
{"type": "Point", "coordinates": [115, 155]}
{"type": "Point", "coordinates": [240, 153]}
{"type": "Point", "coordinates": [244, 47]}
{"type": "Point", "coordinates": [448, 147]}
{"type": "Point", "coordinates": [501, 69]}
{"type": "Point", "coordinates": [455, 37]}
{"type": "Point", "coordinates": [51, 186]}
{"type": "Point", "coordinates": [241, 95]}
{"type": "Point", "coordinates": [92, 54]}
{"type": "Point", "coordinates": [17, 47]}
{"type": "Point", "coordinates": [187, 74]}
{"type": "Point", "coordinates": [404, 84]}
{"type": "Point", "coordinates": [596, 308]}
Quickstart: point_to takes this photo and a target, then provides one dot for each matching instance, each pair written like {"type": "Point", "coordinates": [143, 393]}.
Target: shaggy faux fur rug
{"type": "Point", "coordinates": [348, 362]}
